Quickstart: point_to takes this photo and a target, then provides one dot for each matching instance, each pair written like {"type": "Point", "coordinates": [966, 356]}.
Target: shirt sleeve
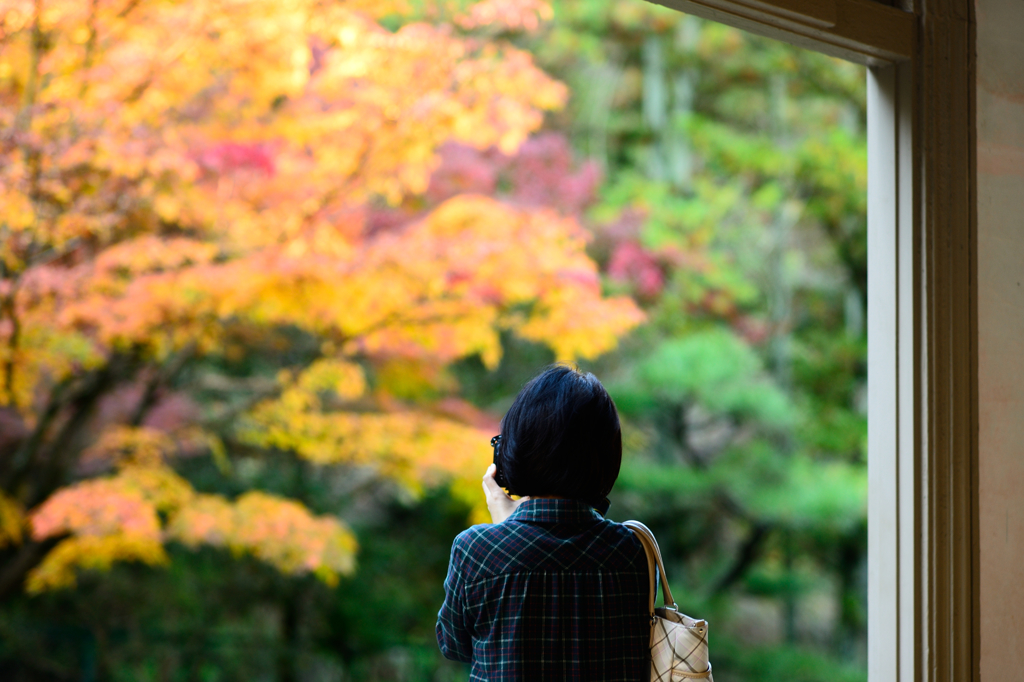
{"type": "Point", "coordinates": [453, 630]}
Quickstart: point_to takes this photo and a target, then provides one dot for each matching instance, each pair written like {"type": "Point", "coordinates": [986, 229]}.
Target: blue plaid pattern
{"type": "Point", "coordinates": [555, 592]}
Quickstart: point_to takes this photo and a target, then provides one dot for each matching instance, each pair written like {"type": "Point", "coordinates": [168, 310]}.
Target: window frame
{"type": "Point", "coordinates": [923, 619]}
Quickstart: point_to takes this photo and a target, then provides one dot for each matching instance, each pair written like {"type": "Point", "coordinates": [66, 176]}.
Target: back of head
{"type": "Point", "coordinates": [561, 437]}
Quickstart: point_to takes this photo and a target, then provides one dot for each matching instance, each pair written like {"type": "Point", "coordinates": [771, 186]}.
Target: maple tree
{"type": "Point", "coordinates": [189, 183]}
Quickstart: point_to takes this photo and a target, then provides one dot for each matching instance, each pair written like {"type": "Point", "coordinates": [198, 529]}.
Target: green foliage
{"type": "Point", "coordinates": [795, 492]}
{"type": "Point", "coordinates": [715, 369]}
{"type": "Point", "coordinates": [769, 663]}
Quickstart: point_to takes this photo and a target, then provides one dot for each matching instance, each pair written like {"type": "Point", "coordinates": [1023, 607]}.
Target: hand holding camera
{"type": "Point", "coordinates": [499, 503]}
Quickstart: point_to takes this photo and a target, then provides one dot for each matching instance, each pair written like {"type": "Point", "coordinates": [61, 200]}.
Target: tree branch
{"type": "Point", "coordinates": [25, 454]}
{"type": "Point", "coordinates": [8, 309]}
{"type": "Point", "coordinates": [61, 456]}
{"type": "Point", "coordinates": [162, 377]}
{"type": "Point", "coordinates": [26, 557]}
{"type": "Point", "coordinates": [749, 552]}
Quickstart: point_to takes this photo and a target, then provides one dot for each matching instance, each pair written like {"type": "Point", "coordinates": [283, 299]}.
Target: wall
{"type": "Point", "coordinates": [1000, 147]}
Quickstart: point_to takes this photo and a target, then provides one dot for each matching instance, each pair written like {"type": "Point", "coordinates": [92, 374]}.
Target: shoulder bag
{"type": "Point", "coordinates": [679, 644]}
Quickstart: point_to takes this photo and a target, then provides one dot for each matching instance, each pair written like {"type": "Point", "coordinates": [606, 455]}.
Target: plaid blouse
{"type": "Point", "coordinates": [555, 592]}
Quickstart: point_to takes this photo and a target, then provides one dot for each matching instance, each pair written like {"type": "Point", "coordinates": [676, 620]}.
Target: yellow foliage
{"type": "Point", "coordinates": [108, 519]}
{"type": "Point", "coordinates": [280, 532]}
{"type": "Point", "coordinates": [441, 289]}
{"type": "Point", "coordinates": [128, 444]}
{"type": "Point", "coordinates": [12, 521]}
{"type": "Point", "coordinates": [45, 354]}
{"type": "Point", "coordinates": [410, 378]}
{"type": "Point", "coordinates": [208, 520]}
{"type": "Point", "coordinates": [283, 533]}
{"type": "Point", "coordinates": [344, 379]}
{"type": "Point", "coordinates": [115, 519]}
{"type": "Point", "coordinates": [413, 447]}
{"type": "Point", "coordinates": [92, 552]}
{"type": "Point", "coordinates": [160, 486]}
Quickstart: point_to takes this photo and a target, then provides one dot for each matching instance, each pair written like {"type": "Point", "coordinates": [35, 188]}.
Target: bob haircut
{"type": "Point", "coordinates": [561, 437]}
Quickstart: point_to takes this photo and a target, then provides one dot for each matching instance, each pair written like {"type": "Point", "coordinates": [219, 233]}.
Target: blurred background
{"type": "Point", "coordinates": [271, 272]}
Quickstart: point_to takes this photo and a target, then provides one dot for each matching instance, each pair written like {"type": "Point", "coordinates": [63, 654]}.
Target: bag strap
{"type": "Point", "coordinates": [654, 564]}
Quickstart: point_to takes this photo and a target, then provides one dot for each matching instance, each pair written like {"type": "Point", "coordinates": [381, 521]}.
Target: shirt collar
{"type": "Point", "coordinates": [558, 510]}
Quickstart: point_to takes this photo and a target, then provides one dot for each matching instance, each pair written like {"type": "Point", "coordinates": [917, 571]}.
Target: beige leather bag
{"type": "Point", "coordinates": [679, 644]}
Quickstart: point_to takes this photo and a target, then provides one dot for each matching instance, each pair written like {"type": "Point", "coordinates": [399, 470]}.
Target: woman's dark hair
{"type": "Point", "coordinates": [561, 437]}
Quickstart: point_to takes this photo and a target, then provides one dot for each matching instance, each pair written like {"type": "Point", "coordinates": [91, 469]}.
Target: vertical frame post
{"type": "Point", "coordinates": [883, 377]}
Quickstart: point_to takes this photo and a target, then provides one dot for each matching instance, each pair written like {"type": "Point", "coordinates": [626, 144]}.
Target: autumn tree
{"type": "Point", "coordinates": [191, 187]}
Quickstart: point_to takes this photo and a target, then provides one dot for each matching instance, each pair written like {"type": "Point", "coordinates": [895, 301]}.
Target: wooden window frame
{"type": "Point", "coordinates": [923, 619]}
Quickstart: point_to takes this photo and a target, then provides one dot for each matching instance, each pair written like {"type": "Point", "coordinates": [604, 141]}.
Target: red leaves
{"type": "Point", "coordinates": [542, 173]}
{"type": "Point", "coordinates": [631, 263]}
{"type": "Point", "coordinates": [228, 157]}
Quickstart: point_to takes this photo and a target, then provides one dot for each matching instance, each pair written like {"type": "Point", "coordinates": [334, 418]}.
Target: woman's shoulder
{"type": "Point", "coordinates": [490, 549]}
{"type": "Point", "coordinates": [481, 538]}
{"type": "Point", "coordinates": [477, 548]}
{"type": "Point", "coordinates": [481, 532]}
{"type": "Point", "coordinates": [627, 542]}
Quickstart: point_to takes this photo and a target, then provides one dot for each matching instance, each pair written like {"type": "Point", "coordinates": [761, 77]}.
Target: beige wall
{"type": "Point", "coordinates": [1000, 111]}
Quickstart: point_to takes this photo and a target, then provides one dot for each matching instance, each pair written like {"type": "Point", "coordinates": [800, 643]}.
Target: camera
{"type": "Point", "coordinates": [499, 475]}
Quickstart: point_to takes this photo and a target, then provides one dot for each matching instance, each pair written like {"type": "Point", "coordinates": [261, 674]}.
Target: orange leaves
{"type": "Point", "coordinates": [474, 265]}
{"type": "Point", "coordinates": [280, 532]}
{"type": "Point", "coordinates": [150, 254]}
{"type": "Point", "coordinates": [441, 288]}
{"type": "Point", "coordinates": [525, 15]}
{"type": "Point", "coordinates": [524, 258]}
{"type": "Point", "coordinates": [576, 323]}
{"type": "Point", "coordinates": [97, 508]}
{"type": "Point", "coordinates": [207, 520]}
{"type": "Point", "coordinates": [108, 520]}
{"type": "Point", "coordinates": [283, 533]}
{"type": "Point", "coordinates": [405, 93]}
{"type": "Point", "coordinates": [125, 110]}
{"type": "Point", "coordinates": [256, 127]}
{"type": "Point", "coordinates": [120, 519]}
